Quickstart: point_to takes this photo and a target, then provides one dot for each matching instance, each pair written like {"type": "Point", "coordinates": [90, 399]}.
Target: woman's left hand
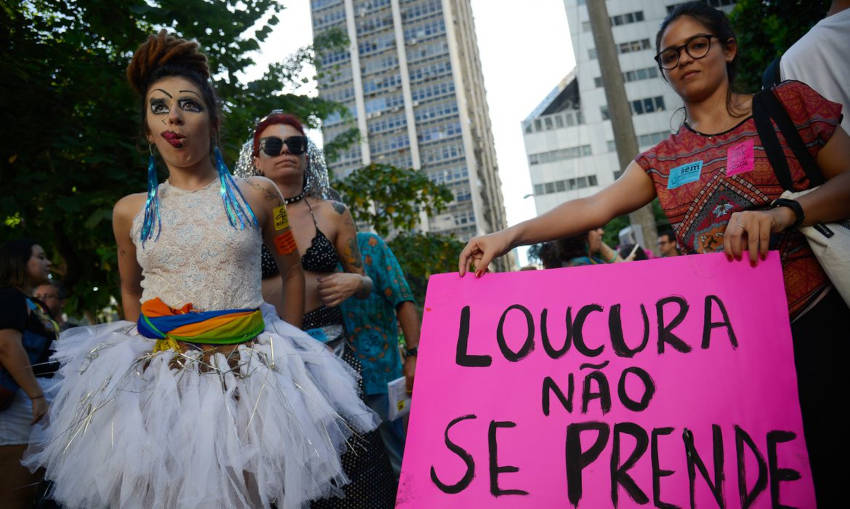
{"type": "Point", "coordinates": [335, 288]}
{"type": "Point", "coordinates": [750, 230]}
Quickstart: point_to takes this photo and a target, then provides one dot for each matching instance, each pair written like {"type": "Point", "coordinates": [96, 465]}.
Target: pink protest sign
{"type": "Point", "coordinates": [667, 381]}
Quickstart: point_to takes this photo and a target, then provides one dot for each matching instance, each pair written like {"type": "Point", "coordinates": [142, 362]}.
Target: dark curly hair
{"type": "Point", "coordinates": [165, 55]}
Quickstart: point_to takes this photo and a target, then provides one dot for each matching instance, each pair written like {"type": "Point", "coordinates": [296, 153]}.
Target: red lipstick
{"type": "Point", "coordinates": [175, 139]}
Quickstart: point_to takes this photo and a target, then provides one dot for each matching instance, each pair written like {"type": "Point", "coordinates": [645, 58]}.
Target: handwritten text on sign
{"type": "Point", "coordinates": [664, 382]}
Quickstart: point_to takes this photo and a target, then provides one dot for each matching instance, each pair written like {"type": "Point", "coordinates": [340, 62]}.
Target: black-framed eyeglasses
{"type": "Point", "coordinates": [696, 46]}
{"type": "Point", "coordinates": [272, 146]}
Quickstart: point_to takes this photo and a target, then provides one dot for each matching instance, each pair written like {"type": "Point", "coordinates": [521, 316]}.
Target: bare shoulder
{"type": "Point", "coordinates": [260, 188]}
{"type": "Point", "coordinates": [333, 212]}
{"type": "Point", "coordinates": [128, 207]}
{"type": "Point", "coordinates": [338, 207]}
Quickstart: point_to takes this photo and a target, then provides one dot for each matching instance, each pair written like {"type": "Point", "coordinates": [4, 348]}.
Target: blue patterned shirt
{"type": "Point", "coordinates": [372, 321]}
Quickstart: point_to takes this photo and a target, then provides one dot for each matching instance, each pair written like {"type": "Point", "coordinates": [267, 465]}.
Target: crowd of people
{"type": "Point", "coordinates": [261, 329]}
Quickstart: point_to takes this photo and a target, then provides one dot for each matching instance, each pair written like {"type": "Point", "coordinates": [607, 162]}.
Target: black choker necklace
{"type": "Point", "coordinates": [298, 197]}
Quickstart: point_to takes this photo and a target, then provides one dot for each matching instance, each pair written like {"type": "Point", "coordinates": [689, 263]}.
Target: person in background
{"type": "Point", "coordinates": [549, 256]}
{"type": "Point", "coordinates": [325, 236]}
{"type": "Point", "coordinates": [821, 58]}
{"type": "Point", "coordinates": [632, 253]}
{"type": "Point", "coordinates": [53, 296]}
{"type": "Point", "coordinates": [667, 244]}
{"type": "Point", "coordinates": [373, 324]}
{"type": "Point", "coordinates": [586, 249]}
{"type": "Point", "coordinates": [26, 336]}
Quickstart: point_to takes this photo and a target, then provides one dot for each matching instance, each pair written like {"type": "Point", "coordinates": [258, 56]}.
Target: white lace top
{"type": "Point", "coordinates": [199, 258]}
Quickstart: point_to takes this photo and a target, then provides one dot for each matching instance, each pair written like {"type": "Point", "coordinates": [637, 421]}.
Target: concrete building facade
{"type": "Point", "coordinates": [568, 138]}
{"type": "Point", "coordinates": [411, 78]}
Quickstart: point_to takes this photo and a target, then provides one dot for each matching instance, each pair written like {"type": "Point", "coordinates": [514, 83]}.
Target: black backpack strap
{"type": "Point", "coordinates": [789, 131]}
{"type": "Point", "coordinates": [770, 78]}
{"type": "Point", "coordinates": [770, 142]}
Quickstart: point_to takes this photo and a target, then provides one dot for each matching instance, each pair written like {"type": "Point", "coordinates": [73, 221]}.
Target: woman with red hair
{"type": "Point", "coordinates": [325, 237]}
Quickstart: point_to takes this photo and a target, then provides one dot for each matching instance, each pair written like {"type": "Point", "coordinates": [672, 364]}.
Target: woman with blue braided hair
{"type": "Point", "coordinates": [209, 399]}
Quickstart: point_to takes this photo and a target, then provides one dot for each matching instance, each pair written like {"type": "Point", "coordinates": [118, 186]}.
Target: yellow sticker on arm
{"type": "Point", "coordinates": [281, 220]}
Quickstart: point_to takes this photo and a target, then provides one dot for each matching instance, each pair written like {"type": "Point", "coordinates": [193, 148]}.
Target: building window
{"type": "Point", "coordinates": [713, 3]}
{"type": "Point", "coordinates": [591, 53]}
{"type": "Point", "coordinates": [635, 75]}
{"type": "Point", "coordinates": [560, 155]}
{"type": "Point", "coordinates": [639, 106]}
{"type": "Point", "coordinates": [547, 121]}
{"type": "Point", "coordinates": [560, 186]}
{"type": "Point", "coordinates": [559, 121]}
{"type": "Point", "coordinates": [651, 139]}
{"type": "Point", "coordinates": [611, 146]}
{"type": "Point", "coordinates": [585, 26]}
{"type": "Point", "coordinates": [624, 19]}
{"type": "Point", "coordinates": [633, 46]}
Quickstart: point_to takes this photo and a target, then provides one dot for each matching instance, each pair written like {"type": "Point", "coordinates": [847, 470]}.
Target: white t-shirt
{"type": "Point", "coordinates": [821, 59]}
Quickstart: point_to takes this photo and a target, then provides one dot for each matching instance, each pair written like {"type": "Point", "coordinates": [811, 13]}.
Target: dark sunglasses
{"type": "Point", "coordinates": [696, 47]}
{"type": "Point", "coordinates": [272, 146]}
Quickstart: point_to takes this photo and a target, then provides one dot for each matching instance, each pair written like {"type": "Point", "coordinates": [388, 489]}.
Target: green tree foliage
{"type": "Point", "coordinates": [70, 142]}
{"type": "Point", "coordinates": [423, 254]}
{"type": "Point", "coordinates": [765, 29]}
{"type": "Point", "coordinates": [388, 198]}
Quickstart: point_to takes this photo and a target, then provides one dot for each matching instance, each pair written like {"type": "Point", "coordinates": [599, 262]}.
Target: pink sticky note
{"type": "Point", "coordinates": [740, 158]}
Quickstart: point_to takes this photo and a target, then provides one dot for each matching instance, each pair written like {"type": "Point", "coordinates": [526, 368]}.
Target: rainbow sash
{"type": "Point", "coordinates": [224, 327]}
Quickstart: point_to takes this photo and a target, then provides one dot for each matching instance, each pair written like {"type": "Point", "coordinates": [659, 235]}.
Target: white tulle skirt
{"type": "Point", "coordinates": [129, 429]}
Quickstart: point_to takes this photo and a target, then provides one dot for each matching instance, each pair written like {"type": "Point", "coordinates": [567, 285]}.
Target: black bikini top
{"type": "Point", "coordinates": [320, 257]}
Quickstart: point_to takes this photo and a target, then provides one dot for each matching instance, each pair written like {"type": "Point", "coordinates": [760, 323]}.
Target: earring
{"type": "Point", "coordinates": [152, 202]}
{"type": "Point", "coordinates": [233, 207]}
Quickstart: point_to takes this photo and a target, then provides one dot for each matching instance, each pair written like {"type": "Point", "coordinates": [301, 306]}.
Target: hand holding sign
{"type": "Point", "coordinates": [480, 251]}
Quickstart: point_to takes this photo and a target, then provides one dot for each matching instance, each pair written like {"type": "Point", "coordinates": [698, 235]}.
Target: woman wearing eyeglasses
{"type": "Point", "coordinates": [325, 237]}
{"type": "Point", "coordinates": [716, 186]}
{"type": "Point", "coordinates": [206, 398]}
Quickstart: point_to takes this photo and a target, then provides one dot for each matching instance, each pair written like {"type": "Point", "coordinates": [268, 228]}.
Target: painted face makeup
{"type": "Point", "coordinates": [171, 109]}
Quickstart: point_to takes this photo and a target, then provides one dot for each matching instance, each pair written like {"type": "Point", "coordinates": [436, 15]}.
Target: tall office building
{"type": "Point", "coordinates": [568, 137]}
{"type": "Point", "coordinates": [412, 80]}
